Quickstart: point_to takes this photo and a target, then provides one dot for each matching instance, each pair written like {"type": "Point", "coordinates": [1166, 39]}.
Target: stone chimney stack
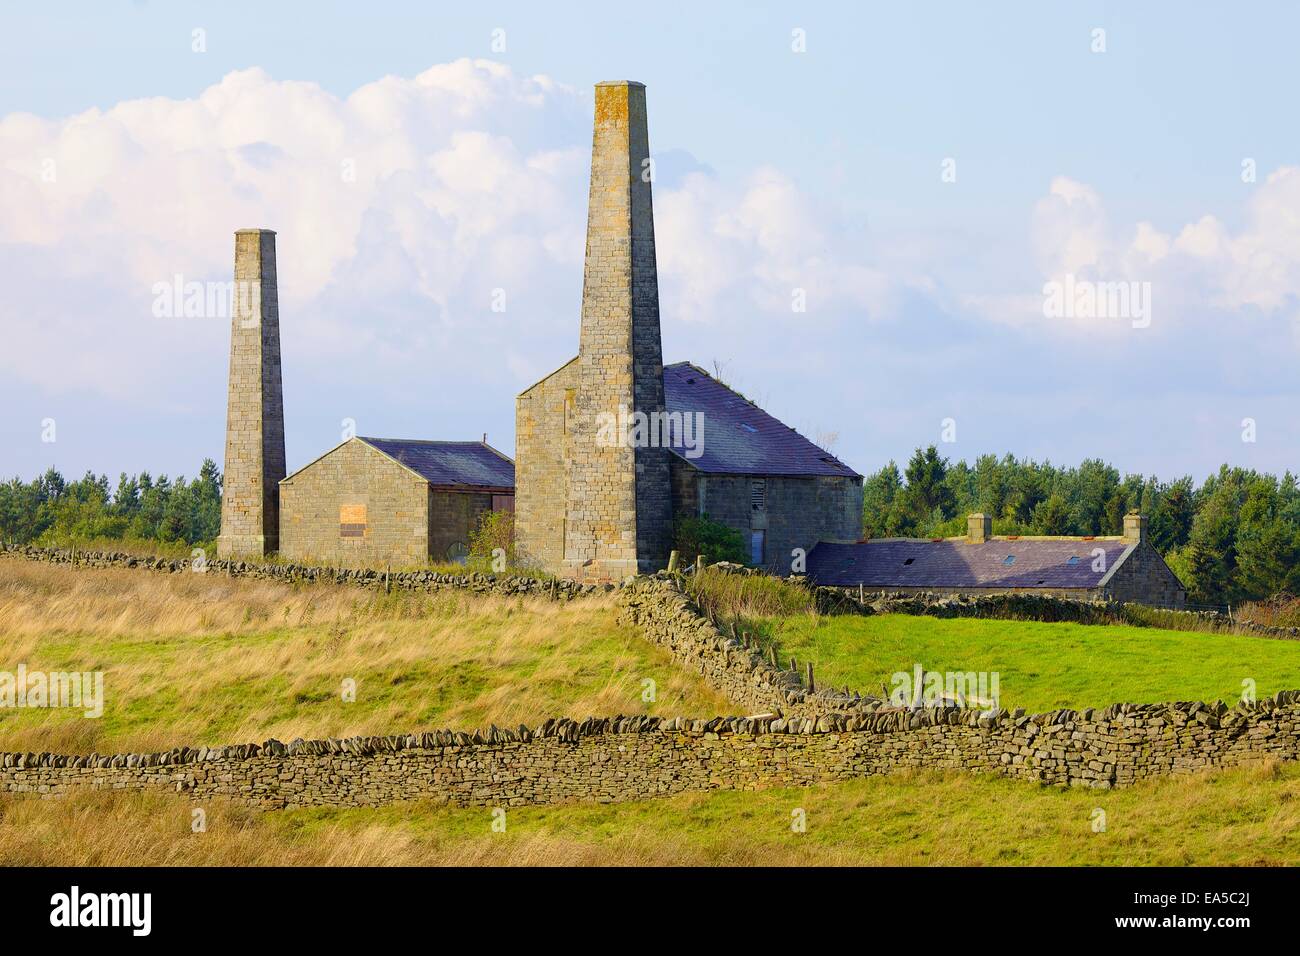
{"type": "Point", "coordinates": [979, 528]}
{"type": "Point", "coordinates": [1135, 528]}
{"type": "Point", "coordinates": [618, 514]}
{"type": "Point", "coordinates": [255, 462]}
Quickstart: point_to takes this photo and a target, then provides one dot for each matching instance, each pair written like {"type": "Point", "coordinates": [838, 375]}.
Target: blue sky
{"type": "Point", "coordinates": [818, 170]}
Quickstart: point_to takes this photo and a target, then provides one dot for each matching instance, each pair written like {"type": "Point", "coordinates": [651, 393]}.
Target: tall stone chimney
{"type": "Point", "coordinates": [1135, 528]}
{"type": "Point", "coordinates": [255, 463]}
{"type": "Point", "coordinates": [618, 513]}
{"type": "Point", "coordinates": [979, 528]}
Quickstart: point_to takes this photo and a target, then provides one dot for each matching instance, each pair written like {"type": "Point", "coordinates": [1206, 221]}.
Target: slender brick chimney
{"type": "Point", "coordinates": [1135, 527]}
{"type": "Point", "coordinates": [979, 528]}
{"type": "Point", "coordinates": [618, 511]}
{"type": "Point", "coordinates": [255, 463]}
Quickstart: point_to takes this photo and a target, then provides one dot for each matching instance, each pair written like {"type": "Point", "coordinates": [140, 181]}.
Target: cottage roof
{"type": "Point", "coordinates": [473, 464]}
{"type": "Point", "coordinates": [958, 563]}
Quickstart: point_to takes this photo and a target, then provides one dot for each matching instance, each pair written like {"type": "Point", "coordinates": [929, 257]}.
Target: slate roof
{"type": "Point", "coordinates": [451, 463]}
{"type": "Point", "coordinates": [739, 437]}
{"type": "Point", "coordinates": [956, 563]}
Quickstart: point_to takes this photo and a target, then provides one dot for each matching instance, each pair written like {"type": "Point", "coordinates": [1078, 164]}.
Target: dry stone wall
{"type": "Point", "coordinates": [509, 584]}
{"type": "Point", "coordinates": [665, 616]}
{"type": "Point", "coordinates": [632, 758]}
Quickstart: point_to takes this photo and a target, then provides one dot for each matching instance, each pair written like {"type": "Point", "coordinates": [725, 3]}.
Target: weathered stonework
{"type": "Point", "coordinates": [543, 449]}
{"type": "Point", "coordinates": [618, 518]}
{"type": "Point", "coordinates": [255, 460]}
{"type": "Point", "coordinates": [632, 758]}
{"type": "Point", "coordinates": [355, 476]}
{"type": "Point", "coordinates": [798, 513]}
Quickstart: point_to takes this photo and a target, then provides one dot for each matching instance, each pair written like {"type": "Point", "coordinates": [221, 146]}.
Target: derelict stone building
{"type": "Point", "coordinates": [600, 502]}
{"type": "Point", "coordinates": [383, 501]}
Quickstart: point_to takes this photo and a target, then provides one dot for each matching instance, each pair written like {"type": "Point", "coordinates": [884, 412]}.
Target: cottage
{"type": "Point", "coordinates": [1121, 568]}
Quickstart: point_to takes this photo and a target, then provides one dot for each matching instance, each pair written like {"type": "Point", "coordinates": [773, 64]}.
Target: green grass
{"type": "Point", "coordinates": [1041, 666]}
{"type": "Point", "coordinates": [1246, 816]}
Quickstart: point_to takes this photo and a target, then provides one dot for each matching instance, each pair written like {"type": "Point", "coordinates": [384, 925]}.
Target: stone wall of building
{"type": "Point", "coordinates": [255, 460]}
{"type": "Point", "coordinates": [799, 512]}
{"type": "Point", "coordinates": [384, 506]}
{"type": "Point", "coordinates": [633, 758]}
{"type": "Point", "coordinates": [453, 516]}
{"type": "Point", "coordinates": [1144, 578]}
{"type": "Point", "coordinates": [542, 455]}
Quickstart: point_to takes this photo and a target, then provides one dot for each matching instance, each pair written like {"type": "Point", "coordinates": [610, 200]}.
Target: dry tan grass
{"type": "Point", "coordinates": [202, 659]}
{"type": "Point", "coordinates": [1249, 816]}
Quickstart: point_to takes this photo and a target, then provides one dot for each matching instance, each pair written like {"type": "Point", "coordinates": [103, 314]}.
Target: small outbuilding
{"type": "Point", "coordinates": [372, 501]}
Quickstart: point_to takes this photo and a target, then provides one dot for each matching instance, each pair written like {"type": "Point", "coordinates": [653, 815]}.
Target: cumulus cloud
{"type": "Point", "coordinates": [1203, 265]}
{"type": "Point", "coordinates": [411, 210]}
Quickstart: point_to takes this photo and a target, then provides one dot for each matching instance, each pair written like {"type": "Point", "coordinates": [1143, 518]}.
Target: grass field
{"type": "Point", "coordinates": [1249, 816]}
{"type": "Point", "coordinates": [193, 659]}
{"type": "Point", "coordinates": [1041, 666]}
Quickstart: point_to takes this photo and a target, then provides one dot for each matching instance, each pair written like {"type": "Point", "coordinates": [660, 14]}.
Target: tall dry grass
{"type": "Point", "coordinates": [1247, 816]}
{"type": "Point", "coordinates": [192, 659]}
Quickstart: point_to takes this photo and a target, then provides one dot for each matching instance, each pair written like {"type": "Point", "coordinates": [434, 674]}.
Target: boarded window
{"type": "Point", "coordinates": [758, 494]}
{"type": "Point", "coordinates": [757, 545]}
{"type": "Point", "coordinates": [352, 521]}
{"type": "Point", "coordinates": [503, 502]}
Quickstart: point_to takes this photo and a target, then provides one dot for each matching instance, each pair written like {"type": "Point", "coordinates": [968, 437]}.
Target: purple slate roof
{"type": "Point", "coordinates": [895, 562]}
{"type": "Point", "coordinates": [739, 437]}
{"type": "Point", "coordinates": [451, 463]}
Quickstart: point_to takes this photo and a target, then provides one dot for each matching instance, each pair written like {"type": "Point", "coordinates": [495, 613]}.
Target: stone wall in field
{"type": "Point", "coordinates": [295, 573]}
{"type": "Point", "coordinates": [728, 662]}
{"type": "Point", "coordinates": [633, 758]}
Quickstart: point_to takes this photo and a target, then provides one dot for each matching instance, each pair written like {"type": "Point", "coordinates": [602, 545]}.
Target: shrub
{"type": "Point", "coordinates": [496, 529]}
{"type": "Point", "coordinates": [713, 539]}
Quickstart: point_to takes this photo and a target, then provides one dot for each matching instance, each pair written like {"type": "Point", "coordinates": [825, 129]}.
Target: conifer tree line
{"type": "Point", "coordinates": [1235, 537]}
{"type": "Point", "coordinates": [141, 508]}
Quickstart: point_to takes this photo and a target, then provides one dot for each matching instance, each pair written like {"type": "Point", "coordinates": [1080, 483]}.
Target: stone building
{"type": "Point", "coordinates": [368, 501]}
{"type": "Point", "coordinates": [1120, 568]}
{"type": "Point", "coordinates": [612, 446]}
{"type": "Point", "coordinates": [388, 501]}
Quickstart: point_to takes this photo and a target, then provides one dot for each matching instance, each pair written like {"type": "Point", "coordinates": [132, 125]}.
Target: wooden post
{"type": "Point", "coordinates": [771, 654]}
{"type": "Point", "coordinates": [861, 599]}
{"type": "Point", "coordinates": [388, 570]}
{"type": "Point", "coordinates": [674, 557]}
{"type": "Point", "coordinates": [812, 687]}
